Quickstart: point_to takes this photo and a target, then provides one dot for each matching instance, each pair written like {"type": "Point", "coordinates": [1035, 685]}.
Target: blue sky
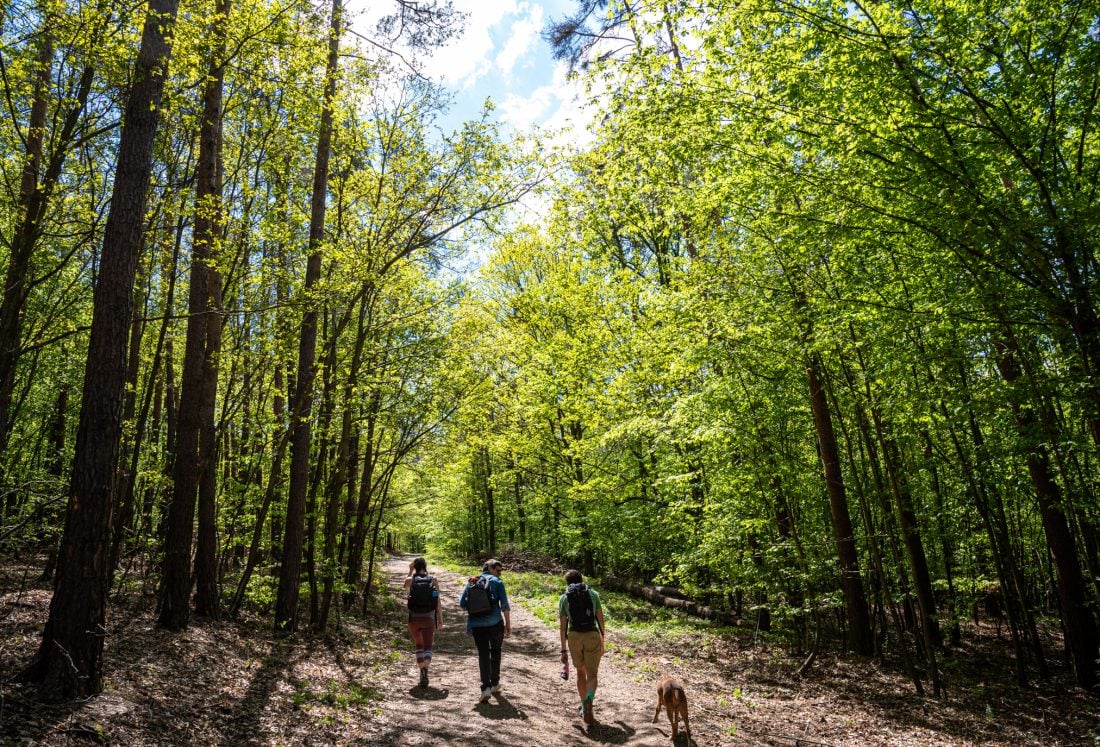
{"type": "Point", "coordinates": [501, 55]}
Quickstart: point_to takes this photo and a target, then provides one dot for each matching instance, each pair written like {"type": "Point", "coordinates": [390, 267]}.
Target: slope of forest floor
{"type": "Point", "coordinates": [234, 683]}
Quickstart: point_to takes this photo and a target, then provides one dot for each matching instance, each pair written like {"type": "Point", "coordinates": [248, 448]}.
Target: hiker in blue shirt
{"type": "Point", "coordinates": [489, 621]}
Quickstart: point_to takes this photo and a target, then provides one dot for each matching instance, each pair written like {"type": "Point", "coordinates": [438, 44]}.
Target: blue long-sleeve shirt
{"type": "Point", "coordinates": [497, 607]}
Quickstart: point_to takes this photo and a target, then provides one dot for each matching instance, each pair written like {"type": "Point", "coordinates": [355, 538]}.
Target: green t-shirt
{"type": "Point", "coordinates": [563, 606]}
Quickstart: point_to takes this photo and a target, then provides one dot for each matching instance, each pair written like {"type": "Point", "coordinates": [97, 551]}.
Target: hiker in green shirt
{"type": "Point", "coordinates": [580, 622]}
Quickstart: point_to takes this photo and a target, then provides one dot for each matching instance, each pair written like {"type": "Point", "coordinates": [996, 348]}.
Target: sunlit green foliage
{"type": "Point", "coordinates": [900, 196]}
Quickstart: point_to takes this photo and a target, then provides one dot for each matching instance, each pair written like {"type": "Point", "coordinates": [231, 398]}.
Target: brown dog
{"type": "Point", "coordinates": [670, 694]}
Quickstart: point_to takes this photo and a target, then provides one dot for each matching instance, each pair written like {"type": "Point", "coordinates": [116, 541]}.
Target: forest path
{"type": "Point", "coordinates": [536, 707]}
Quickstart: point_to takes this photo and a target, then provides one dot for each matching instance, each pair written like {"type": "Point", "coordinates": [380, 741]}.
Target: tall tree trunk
{"type": "Point", "coordinates": [70, 658]}
{"type": "Point", "coordinates": [485, 475]}
{"type": "Point", "coordinates": [336, 483]}
{"type": "Point", "coordinates": [56, 466]}
{"type": "Point", "coordinates": [855, 603]}
{"type": "Point", "coordinates": [286, 602]}
{"type": "Point", "coordinates": [991, 511]}
{"type": "Point", "coordinates": [946, 542]}
{"type": "Point", "coordinates": [254, 553]}
{"type": "Point", "coordinates": [153, 399]}
{"type": "Point", "coordinates": [914, 550]}
{"type": "Point", "coordinates": [380, 508]}
{"type": "Point", "coordinates": [889, 530]}
{"type": "Point", "coordinates": [171, 417]}
{"type": "Point", "coordinates": [877, 564]}
{"type": "Point", "coordinates": [208, 232]}
{"type": "Point", "coordinates": [341, 478]}
{"type": "Point", "coordinates": [317, 472]}
{"type": "Point", "coordinates": [1082, 640]}
{"type": "Point", "coordinates": [357, 543]}
{"type": "Point", "coordinates": [206, 547]}
{"type": "Point", "coordinates": [196, 389]}
{"type": "Point", "coordinates": [1011, 588]}
{"type": "Point", "coordinates": [280, 386]}
{"type": "Point", "coordinates": [517, 497]}
{"type": "Point", "coordinates": [123, 518]}
{"type": "Point", "coordinates": [352, 399]}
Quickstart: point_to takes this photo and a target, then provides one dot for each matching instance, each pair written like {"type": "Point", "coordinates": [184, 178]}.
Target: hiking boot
{"type": "Point", "coordinates": [586, 712]}
{"type": "Point", "coordinates": [485, 693]}
{"type": "Point", "coordinates": [496, 689]}
{"type": "Point", "coordinates": [423, 677]}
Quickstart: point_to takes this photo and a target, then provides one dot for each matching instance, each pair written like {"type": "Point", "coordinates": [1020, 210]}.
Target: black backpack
{"type": "Point", "coordinates": [479, 600]}
{"type": "Point", "coordinates": [422, 595]}
{"type": "Point", "coordinates": [582, 614]}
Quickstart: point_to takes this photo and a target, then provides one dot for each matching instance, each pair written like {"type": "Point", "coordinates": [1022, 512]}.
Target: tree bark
{"type": "Point", "coordinates": [357, 543]}
{"type": "Point", "coordinates": [70, 658]}
{"type": "Point", "coordinates": [914, 551]}
{"type": "Point", "coordinates": [208, 232]}
{"type": "Point", "coordinates": [199, 379]}
{"type": "Point", "coordinates": [124, 500]}
{"type": "Point", "coordinates": [1082, 639]}
{"type": "Point", "coordinates": [55, 466]}
{"type": "Point", "coordinates": [485, 480]}
{"type": "Point", "coordinates": [855, 603]}
{"type": "Point", "coordinates": [286, 602]}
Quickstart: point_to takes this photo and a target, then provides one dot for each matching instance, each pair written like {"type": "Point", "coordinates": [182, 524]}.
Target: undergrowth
{"type": "Point", "coordinates": [635, 620]}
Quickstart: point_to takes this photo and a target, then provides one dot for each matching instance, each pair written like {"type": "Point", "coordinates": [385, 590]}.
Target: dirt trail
{"type": "Point", "coordinates": [536, 707]}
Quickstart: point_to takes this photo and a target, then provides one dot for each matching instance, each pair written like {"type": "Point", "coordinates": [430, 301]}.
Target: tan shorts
{"type": "Point", "coordinates": [586, 650]}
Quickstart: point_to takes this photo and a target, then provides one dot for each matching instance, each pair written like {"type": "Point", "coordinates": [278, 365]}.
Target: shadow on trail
{"type": "Point", "coordinates": [428, 693]}
{"type": "Point", "coordinates": [500, 711]}
{"type": "Point", "coordinates": [681, 740]}
{"type": "Point", "coordinates": [245, 720]}
{"type": "Point", "coordinates": [618, 733]}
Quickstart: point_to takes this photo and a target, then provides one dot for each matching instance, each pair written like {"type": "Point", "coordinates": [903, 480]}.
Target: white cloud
{"type": "Point", "coordinates": [557, 108]}
{"type": "Point", "coordinates": [510, 69]}
{"type": "Point", "coordinates": [466, 59]}
{"type": "Point", "coordinates": [521, 112]}
{"type": "Point", "coordinates": [522, 38]}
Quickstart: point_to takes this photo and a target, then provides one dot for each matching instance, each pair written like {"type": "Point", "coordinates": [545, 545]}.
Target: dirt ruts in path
{"type": "Point", "coordinates": [536, 708]}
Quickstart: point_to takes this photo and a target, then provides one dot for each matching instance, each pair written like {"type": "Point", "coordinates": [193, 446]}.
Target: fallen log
{"type": "Point", "coordinates": [654, 596]}
{"type": "Point", "coordinates": [671, 591]}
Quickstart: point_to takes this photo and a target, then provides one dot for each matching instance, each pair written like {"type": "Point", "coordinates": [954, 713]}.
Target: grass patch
{"type": "Point", "coordinates": [334, 694]}
{"type": "Point", "coordinates": [635, 619]}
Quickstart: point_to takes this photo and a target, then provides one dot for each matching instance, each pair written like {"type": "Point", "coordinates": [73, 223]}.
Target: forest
{"type": "Point", "coordinates": [803, 342]}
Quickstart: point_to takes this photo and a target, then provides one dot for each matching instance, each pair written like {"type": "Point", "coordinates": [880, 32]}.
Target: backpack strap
{"type": "Point", "coordinates": [595, 617]}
